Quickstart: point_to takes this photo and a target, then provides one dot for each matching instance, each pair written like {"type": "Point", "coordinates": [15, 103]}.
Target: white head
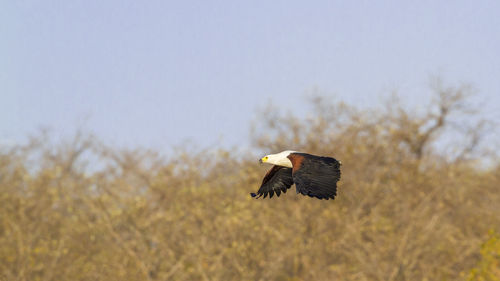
{"type": "Point", "coordinates": [279, 159]}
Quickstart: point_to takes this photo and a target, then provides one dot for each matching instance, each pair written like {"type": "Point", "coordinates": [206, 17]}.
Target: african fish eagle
{"type": "Point", "coordinates": [314, 176]}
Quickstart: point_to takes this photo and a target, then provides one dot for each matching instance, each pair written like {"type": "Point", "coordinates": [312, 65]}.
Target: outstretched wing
{"type": "Point", "coordinates": [315, 176]}
{"type": "Point", "coordinates": [278, 179]}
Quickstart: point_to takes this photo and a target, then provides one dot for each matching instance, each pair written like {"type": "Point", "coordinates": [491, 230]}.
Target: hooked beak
{"type": "Point", "coordinates": [260, 161]}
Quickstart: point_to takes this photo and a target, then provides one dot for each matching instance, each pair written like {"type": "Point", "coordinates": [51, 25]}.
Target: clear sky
{"type": "Point", "coordinates": [158, 73]}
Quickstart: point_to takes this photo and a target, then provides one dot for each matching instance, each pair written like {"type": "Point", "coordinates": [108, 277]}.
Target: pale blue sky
{"type": "Point", "coordinates": [158, 73]}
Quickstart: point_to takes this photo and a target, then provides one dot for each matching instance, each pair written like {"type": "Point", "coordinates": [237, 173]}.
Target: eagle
{"type": "Point", "coordinates": [314, 176]}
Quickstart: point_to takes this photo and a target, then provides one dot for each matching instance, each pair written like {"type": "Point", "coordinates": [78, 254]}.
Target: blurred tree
{"type": "Point", "coordinates": [406, 210]}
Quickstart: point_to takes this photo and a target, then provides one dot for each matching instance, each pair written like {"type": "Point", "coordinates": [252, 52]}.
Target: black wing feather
{"type": "Point", "coordinates": [317, 176]}
{"type": "Point", "coordinates": [278, 179]}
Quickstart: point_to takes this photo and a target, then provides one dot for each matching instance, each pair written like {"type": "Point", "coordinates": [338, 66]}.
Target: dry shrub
{"type": "Point", "coordinates": [406, 210]}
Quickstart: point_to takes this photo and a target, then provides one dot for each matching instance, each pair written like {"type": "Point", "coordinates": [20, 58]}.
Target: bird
{"type": "Point", "coordinates": [314, 176]}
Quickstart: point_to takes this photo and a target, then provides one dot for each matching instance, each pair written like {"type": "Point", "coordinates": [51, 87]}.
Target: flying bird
{"type": "Point", "coordinates": [314, 176]}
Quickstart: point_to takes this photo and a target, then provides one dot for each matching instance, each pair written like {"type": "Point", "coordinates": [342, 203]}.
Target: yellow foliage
{"type": "Point", "coordinates": [488, 268]}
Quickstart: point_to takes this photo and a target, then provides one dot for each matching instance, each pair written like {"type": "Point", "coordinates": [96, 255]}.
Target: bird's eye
{"type": "Point", "coordinates": [265, 157]}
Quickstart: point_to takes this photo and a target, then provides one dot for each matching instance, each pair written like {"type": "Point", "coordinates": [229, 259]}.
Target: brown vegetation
{"type": "Point", "coordinates": [407, 209]}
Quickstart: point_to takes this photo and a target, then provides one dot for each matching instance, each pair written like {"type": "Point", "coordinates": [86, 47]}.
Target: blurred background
{"type": "Point", "coordinates": [130, 134]}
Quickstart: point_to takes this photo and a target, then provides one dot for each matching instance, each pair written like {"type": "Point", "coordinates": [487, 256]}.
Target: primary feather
{"type": "Point", "coordinates": [278, 179]}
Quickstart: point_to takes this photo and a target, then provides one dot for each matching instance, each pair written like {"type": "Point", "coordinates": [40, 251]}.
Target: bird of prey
{"type": "Point", "coordinates": [314, 176]}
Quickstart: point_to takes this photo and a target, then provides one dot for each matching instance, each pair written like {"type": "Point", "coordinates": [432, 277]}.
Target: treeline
{"type": "Point", "coordinates": [418, 200]}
